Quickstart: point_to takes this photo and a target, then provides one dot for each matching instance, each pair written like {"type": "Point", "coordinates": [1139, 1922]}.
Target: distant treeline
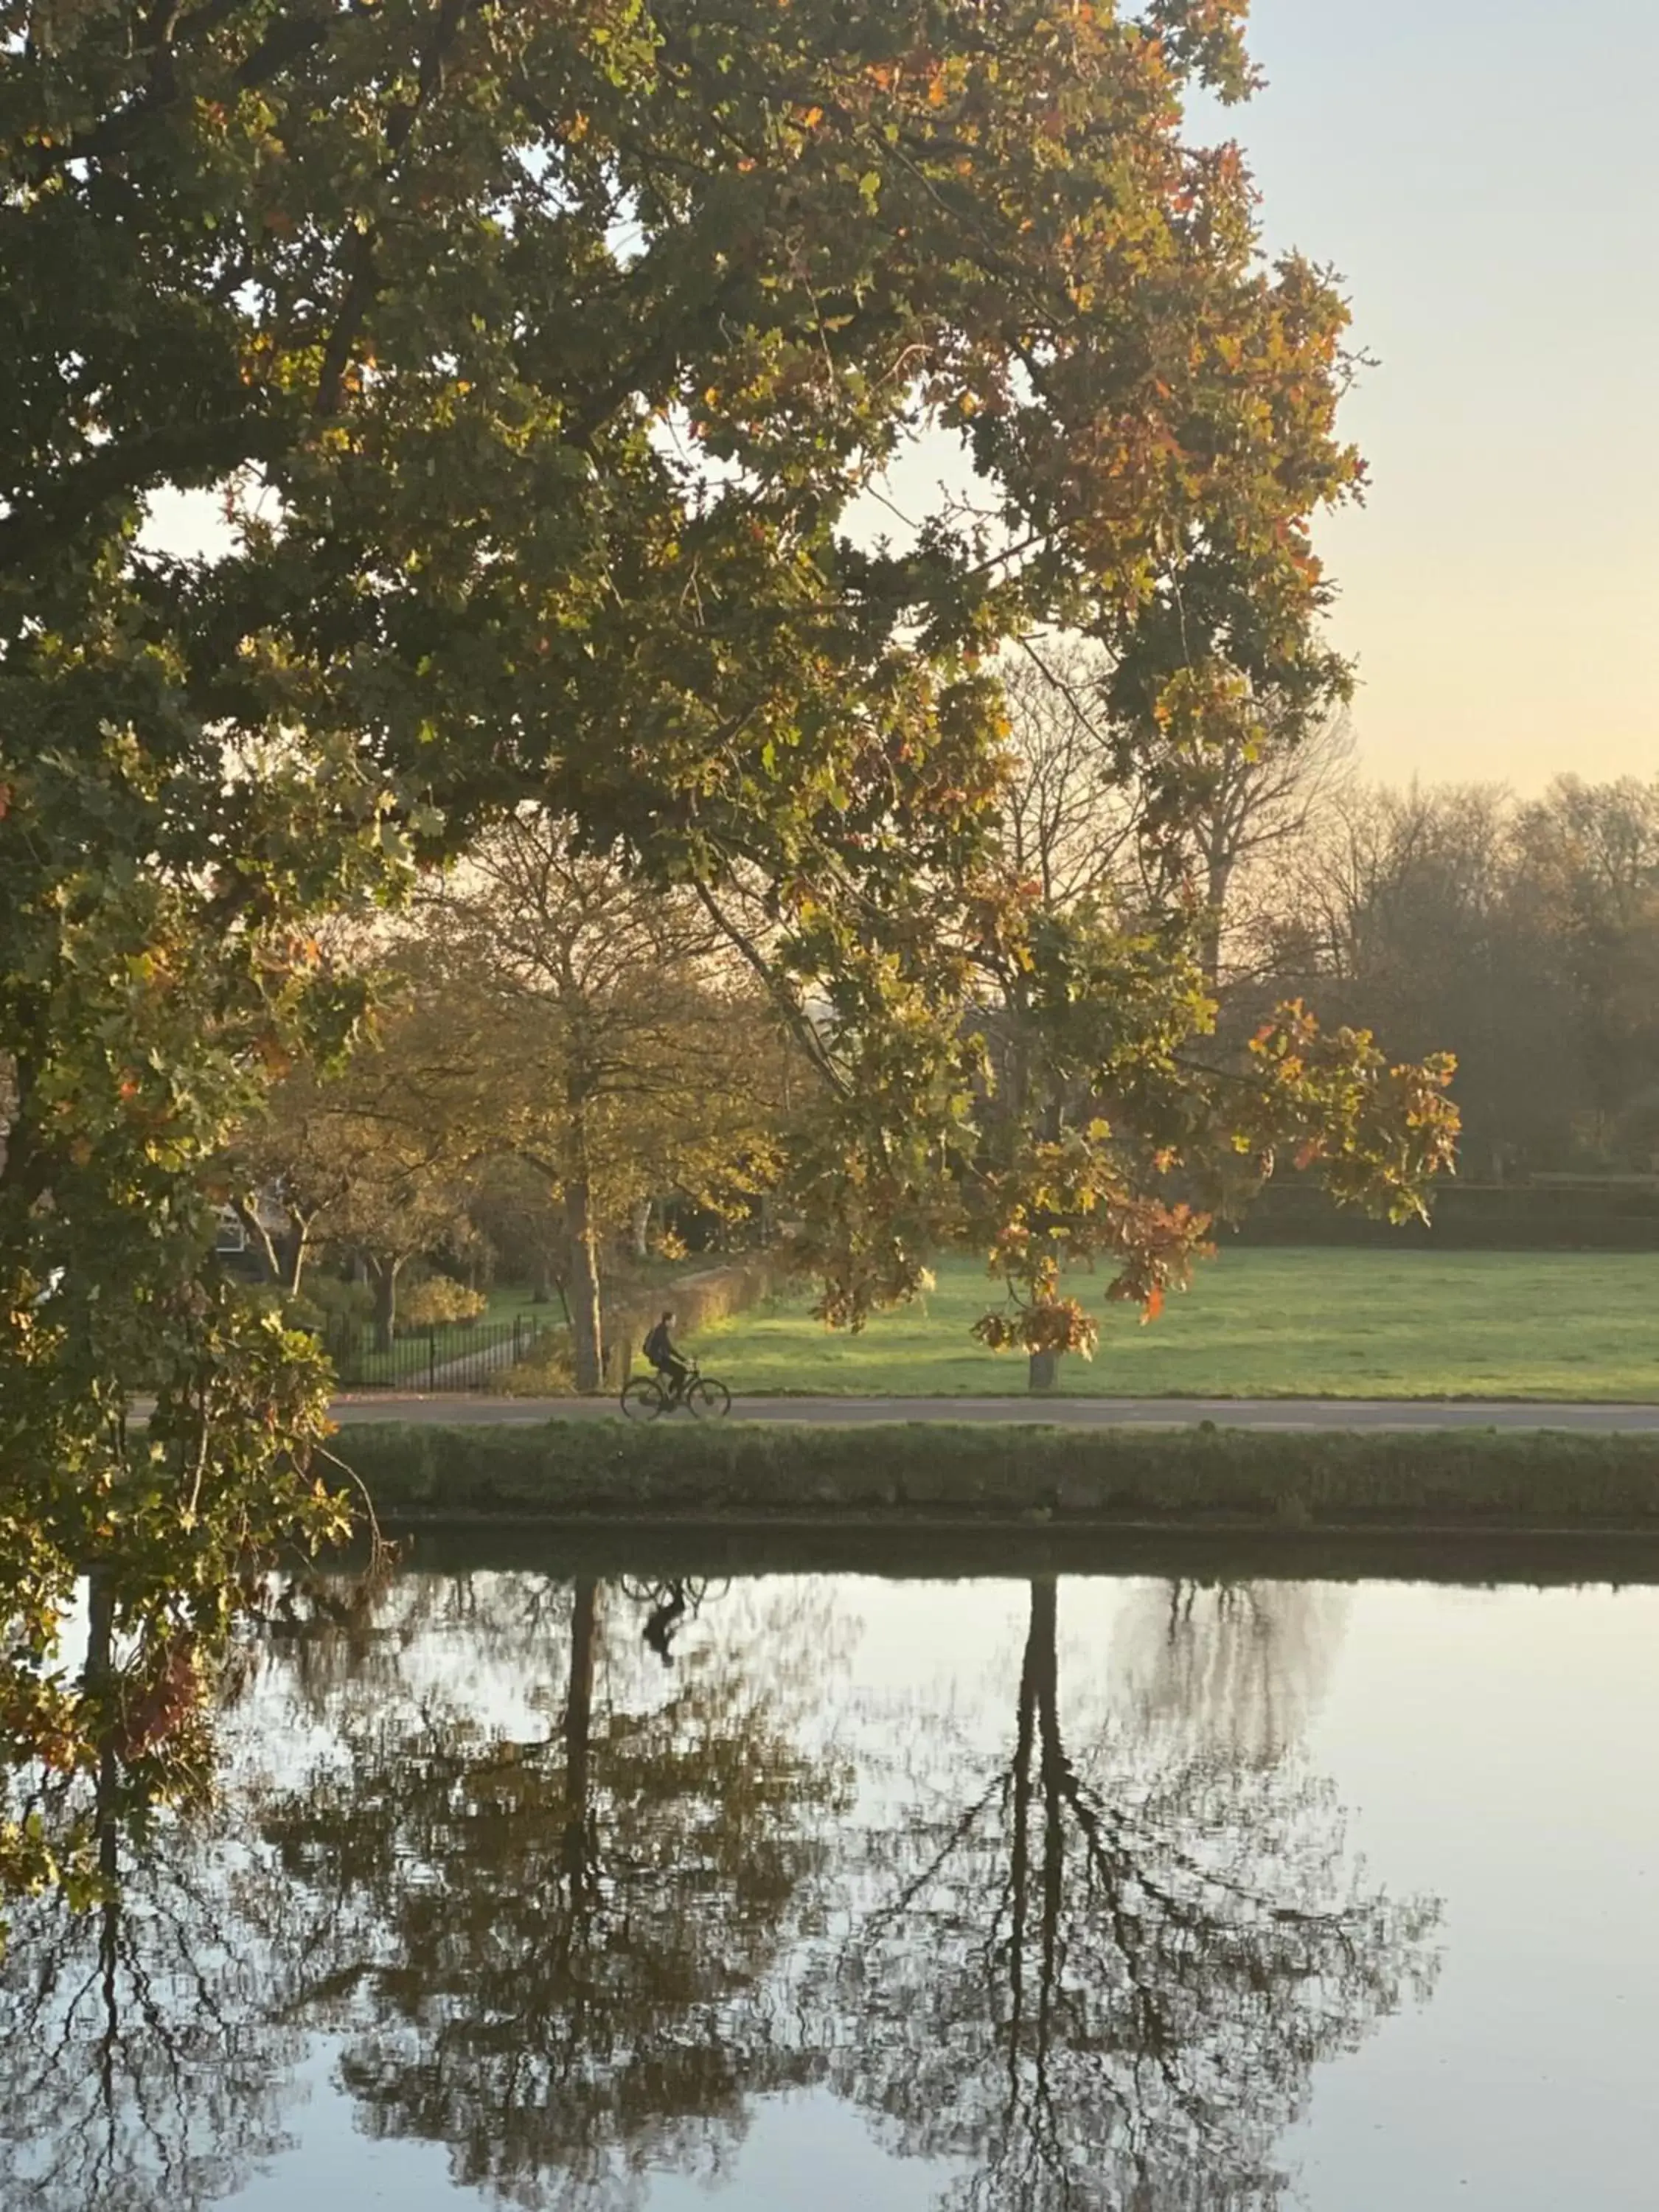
{"type": "Point", "coordinates": [1573, 1214]}
{"type": "Point", "coordinates": [1523, 936]}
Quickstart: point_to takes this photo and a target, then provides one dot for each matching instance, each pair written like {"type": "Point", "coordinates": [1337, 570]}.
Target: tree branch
{"type": "Point", "coordinates": [800, 1022]}
{"type": "Point", "coordinates": [187, 453]}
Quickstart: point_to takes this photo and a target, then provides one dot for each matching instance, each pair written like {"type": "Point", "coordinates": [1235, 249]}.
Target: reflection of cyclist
{"type": "Point", "coordinates": [663, 1619]}
{"type": "Point", "coordinates": [661, 1351]}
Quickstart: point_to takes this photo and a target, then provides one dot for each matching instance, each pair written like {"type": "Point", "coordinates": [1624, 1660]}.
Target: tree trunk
{"type": "Point", "coordinates": [1043, 1372]}
{"type": "Point", "coordinates": [260, 1241]}
{"type": "Point", "coordinates": [578, 1739]}
{"type": "Point", "coordinates": [641, 1224]}
{"type": "Point", "coordinates": [384, 1275]}
{"type": "Point", "coordinates": [1218, 875]}
{"type": "Point", "coordinates": [1042, 1648]}
{"type": "Point", "coordinates": [296, 1252]}
{"type": "Point", "coordinates": [587, 1326]}
{"type": "Point", "coordinates": [1020, 1859]}
{"type": "Point", "coordinates": [98, 1667]}
{"type": "Point", "coordinates": [98, 1677]}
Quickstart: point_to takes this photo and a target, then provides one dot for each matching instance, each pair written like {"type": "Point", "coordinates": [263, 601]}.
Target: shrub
{"type": "Point", "coordinates": [699, 1300]}
{"type": "Point", "coordinates": [438, 1302]}
{"type": "Point", "coordinates": [326, 1301]}
{"type": "Point", "coordinates": [550, 1372]}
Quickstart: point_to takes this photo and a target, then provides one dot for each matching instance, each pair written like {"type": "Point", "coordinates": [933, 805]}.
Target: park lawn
{"type": "Point", "coordinates": [1258, 1323]}
{"type": "Point", "coordinates": [507, 1300]}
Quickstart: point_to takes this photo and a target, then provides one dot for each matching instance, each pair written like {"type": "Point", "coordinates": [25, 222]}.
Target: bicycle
{"type": "Point", "coordinates": [645, 1396]}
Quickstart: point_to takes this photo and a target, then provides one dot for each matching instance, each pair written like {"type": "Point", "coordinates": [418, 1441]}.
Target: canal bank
{"type": "Point", "coordinates": [938, 1473]}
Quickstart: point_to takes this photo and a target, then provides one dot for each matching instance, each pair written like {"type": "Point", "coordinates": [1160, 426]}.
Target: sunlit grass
{"type": "Point", "coordinates": [1350, 1324]}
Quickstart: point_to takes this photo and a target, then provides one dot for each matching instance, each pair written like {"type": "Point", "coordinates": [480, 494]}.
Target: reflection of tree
{"type": "Point", "coordinates": [1241, 1665]}
{"type": "Point", "coordinates": [142, 2061]}
{"type": "Point", "coordinates": [140, 2064]}
{"type": "Point", "coordinates": [556, 1952]}
{"type": "Point", "coordinates": [1102, 1979]}
{"type": "Point", "coordinates": [558, 1903]}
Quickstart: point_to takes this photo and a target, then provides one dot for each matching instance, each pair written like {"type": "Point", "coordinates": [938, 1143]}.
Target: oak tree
{"type": "Point", "coordinates": [538, 355]}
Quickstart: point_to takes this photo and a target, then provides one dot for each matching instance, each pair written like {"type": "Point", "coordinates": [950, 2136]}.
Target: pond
{"type": "Point", "coordinates": [827, 1890]}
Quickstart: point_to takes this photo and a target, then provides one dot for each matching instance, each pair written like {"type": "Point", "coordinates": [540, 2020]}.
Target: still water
{"type": "Point", "coordinates": [836, 1891]}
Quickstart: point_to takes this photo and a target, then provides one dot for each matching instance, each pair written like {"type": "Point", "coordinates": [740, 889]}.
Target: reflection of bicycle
{"type": "Point", "coordinates": [648, 1395]}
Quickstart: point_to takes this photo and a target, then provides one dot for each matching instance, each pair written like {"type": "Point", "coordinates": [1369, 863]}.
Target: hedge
{"type": "Point", "coordinates": [907, 1473]}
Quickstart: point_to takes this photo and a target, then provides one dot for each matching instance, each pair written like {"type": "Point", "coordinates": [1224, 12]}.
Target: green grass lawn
{"type": "Point", "coordinates": [508, 1299]}
{"type": "Point", "coordinates": [1339, 1324]}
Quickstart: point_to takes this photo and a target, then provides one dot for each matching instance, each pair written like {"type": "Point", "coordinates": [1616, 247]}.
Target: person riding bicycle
{"type": "Point", "coordinates": [671, 1364]}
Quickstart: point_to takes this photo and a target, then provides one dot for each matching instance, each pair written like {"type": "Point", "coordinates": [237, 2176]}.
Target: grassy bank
{"type": "Point", "coordinates": [904, 1474]}
{"type": "Point", "coordinates": [1260, 1323]}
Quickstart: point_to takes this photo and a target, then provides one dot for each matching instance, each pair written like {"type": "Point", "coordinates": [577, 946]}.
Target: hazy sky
{"type": "Point", "coordinates": [1485, 175]}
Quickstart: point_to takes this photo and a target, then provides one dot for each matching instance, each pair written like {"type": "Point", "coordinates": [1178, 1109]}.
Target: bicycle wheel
{"type": "Point", "coordinates": [708, 1399]}
{"type": "Point", "coordinates": [643, 1399]}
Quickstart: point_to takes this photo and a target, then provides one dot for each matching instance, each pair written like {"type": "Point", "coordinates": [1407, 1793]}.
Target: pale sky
{"type": "Point", "coordinates": [1485, 175]}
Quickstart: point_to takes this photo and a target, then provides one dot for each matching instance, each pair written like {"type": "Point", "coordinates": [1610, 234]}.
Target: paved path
{"type": "Point", "coordinates": [1072, 1412]}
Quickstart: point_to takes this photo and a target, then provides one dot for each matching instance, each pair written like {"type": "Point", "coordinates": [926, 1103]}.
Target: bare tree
{"type": "Point", "coordinates": [619, 1050]}
{"type": "Point", "coordinates": [1261, 796]}
{"type": "Point", "coordinates": [1082, 818]}
{"type": "Point", "coordinates": [1069, 818]}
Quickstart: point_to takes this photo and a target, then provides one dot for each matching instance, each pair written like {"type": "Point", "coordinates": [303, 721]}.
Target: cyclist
{"type": "Point", "coordinates": [671, 1364]}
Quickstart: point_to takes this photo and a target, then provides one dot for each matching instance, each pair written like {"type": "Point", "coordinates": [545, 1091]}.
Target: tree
{"type": "Point", "coordinates": [1069, 820]}
{"type": "Point", "coordinates": [1399, 918]}
{"type": "Point", "coordinates": [427, 292]}
{"type": "Point", "coordinates": [1087, 813]}
{"type": "Point", "coordinates": [586, 1984]}
{"type": "Point", "coordinates": [1104, 1977]}
{"type": "Point", "coordinates": [374, 1160]}
{"type": "Point", "coordinates": [144, 2054]}
{"type": "Point", "coordinates": [1586, 895]}
{"type": "Point", "coordinates": [1258, 800]}
{"type": "Point", "coordinates": [1521, 934]}
{"type": "Point", "coordinates": [619, 1054]}
{"type": "Point", "coordinates": [1106, 1111]}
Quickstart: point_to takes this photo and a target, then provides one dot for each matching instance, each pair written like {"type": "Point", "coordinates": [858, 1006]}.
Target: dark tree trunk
{"type": "Point", "coordinates": [1020, 1860]}
{"type": "Point", "coordinates": [101, 1632]}
{"type": "Point", "coordinates": [99, 1676]}
{"type": "Point", "coordinates": [1043, 1651]}
{"type": "Point", "coordinates": [1044, 1371]}
{"type": "Point", "coordinates": [578, 1739]}
{"type": "Point", "coordinates": [1037, 1863]}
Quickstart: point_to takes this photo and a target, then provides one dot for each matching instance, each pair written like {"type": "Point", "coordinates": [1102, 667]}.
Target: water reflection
{"type": "Point", "coordinates": [1241, 1665]}
{"type": "Point", "coordinates": [558, 1952]}
{"type": "Point", "coordinates": [148, 2045]}
{"type": "Point", "coordinates": [1100, 1972]}
{"type": "Point", "coordinates": [573, 1873]}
